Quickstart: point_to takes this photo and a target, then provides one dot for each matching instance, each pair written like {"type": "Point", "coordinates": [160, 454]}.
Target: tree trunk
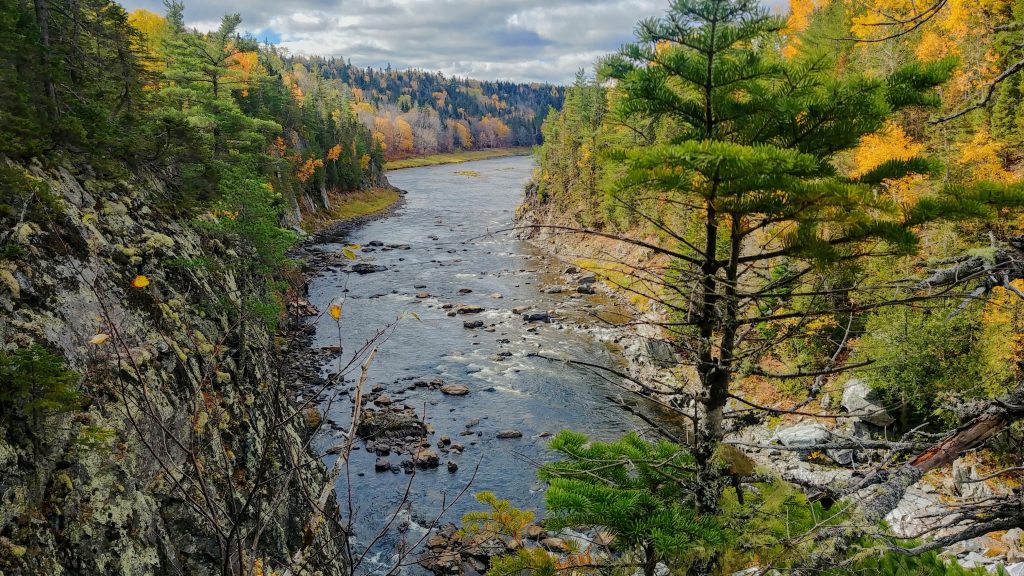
{"type": "Point", "coordinates": [43, 21]}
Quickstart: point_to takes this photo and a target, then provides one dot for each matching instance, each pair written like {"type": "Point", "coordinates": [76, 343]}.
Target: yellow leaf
{"type": "Point", "coordinates": [140, 281]}
{"type": "Point", "coordinates": [348, 253]}
{"type": "Point", "coordinates": [99, 339]}
{"type": "Point", "coordinates": [335, 311]}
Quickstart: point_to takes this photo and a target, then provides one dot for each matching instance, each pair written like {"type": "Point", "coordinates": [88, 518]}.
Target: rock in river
{"type": "Point", "coordinates": [469, 309]}
{"type": "Point", "coordinates": [509, 434]}
{"type": "Point", "coordinates": [364, 268]}
{"type": "Point", "coordinates": [455, 389]}
{"type": "Point", "coordinates": [427, 458]}
{"type": "Point", "coordinates": [473, 324]}
{"type": "Point", "coordinates": [537, 317]}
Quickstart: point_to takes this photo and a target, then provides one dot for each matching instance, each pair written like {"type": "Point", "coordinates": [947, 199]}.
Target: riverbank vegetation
{"type": "Point", "coordinates": [456, 157]}
{"type": "Point", "coordinates": [812, 202]}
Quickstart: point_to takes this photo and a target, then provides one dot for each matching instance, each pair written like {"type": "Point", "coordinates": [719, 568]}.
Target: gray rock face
{"type": "Point", "coordinates": [803, 435]}
{"type": "Point", "coordinates": [860, 400]}
{"type": "Point", "coordinates": [114, 511]}
{"type": "Point", "coordinates": [964, 476]}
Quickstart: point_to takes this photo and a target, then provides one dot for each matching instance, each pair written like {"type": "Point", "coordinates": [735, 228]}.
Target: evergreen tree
{"type": "Point", "coordinates": [641, 492]}
{"type": "Point", "coordinates": [765, 227]}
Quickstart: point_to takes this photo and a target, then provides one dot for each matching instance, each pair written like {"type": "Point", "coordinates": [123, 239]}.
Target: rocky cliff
{"type": "Point", "coordinates": [145, 425]}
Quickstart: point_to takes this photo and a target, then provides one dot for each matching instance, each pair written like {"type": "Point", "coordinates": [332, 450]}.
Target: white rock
{"type": "Point", "coordinates": [803, 435]}
{"type": "Point", "coordinates": [859, 400]}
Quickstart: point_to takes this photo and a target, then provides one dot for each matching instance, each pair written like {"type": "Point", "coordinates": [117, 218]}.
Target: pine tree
{"type": "Point", "coordinates": [642, 492]}
{"type": "Point", "coordinates": [766, 227]}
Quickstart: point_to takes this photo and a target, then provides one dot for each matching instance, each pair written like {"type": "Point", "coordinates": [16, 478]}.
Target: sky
{"type": "Point", "coordinates": [519, 40]}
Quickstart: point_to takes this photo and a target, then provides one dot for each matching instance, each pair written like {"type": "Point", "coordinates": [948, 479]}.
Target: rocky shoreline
{"type": "Point", "coordinates": [831, 450]}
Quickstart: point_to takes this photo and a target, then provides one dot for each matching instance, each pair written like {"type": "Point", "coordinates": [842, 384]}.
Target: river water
{"type": "Point", "coordinates": [450, 222]}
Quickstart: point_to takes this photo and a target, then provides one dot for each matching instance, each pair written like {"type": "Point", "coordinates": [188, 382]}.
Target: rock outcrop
{"type": "Point", "coordinates": [182, 452]}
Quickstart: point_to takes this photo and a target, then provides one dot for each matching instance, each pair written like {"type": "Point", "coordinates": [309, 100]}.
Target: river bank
{"type": "Point", "coordinates": [457, 157]}
{"type": "Point", "coordinates": [780, 443]}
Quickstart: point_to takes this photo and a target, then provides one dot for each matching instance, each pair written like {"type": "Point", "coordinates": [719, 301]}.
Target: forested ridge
{"type": "Point", "coordinates": [419, 112]}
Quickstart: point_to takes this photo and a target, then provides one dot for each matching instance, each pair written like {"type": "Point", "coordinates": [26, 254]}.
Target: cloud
{"type": "Point", "coordinates": [521, 40]}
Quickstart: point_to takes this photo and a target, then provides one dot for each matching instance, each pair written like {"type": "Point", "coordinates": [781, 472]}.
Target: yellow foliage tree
{"type": "Point", "coordinates": [154, 30]}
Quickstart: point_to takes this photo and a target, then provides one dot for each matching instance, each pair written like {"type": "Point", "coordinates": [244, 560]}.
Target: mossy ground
{"type": "Point", "coordinates": [349, 205]}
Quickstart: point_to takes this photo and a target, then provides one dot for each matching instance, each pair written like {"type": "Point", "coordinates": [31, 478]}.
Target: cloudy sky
{"type": "Point", "coordinates": [522, 40]}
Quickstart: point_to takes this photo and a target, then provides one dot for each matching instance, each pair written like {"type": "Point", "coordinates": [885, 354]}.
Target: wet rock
{"type": "Point", "coordinates": [452, 467]}
{"type": "Point", "coordinates": [553, 290]}
{"type": "Point", "coordinates": [375, 243]}
{"type": "Point", "coordinates": [422, 295]}
{"type": "Point", "coordinates": [391, 425]}
{"type": "Point", "coordinates": [455, 389]}
{"type": "Point", "coordinates": [860, 400]}
{"type": "Point", "coordinates": [382, 465]}
{"type": "Point", "coordinates": [382, 400]}
{"type": "Point", "coordinates": [364, 268]}
{"type": "Point", "coordinates": [465, 291]}
{"type": "Point", "coordinates": [469, 309]}
{"type": "Point", "coordinates": [473, 422]}
{"type": "Point", "coordinates": [427, 458]}
{"type": "Point", "coordinates": [509, 434]}
{"type": "Point", "coordinates": [472, 324]}
{"type": "Point", "coordinates": [496, 295]}
{"type": "Point", "coordinates": [537, 317]}
{"type": "Point", "coordinates": [586, 289]}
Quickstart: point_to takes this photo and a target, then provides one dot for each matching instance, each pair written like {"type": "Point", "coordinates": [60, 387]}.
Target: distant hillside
{"type": "Point", "coordinates": [413, 112]}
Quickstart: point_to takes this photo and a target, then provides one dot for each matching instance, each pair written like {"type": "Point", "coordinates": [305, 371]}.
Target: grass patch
{"type": "Point", "coordinates": [349, 205]}
{"type": "Point", "coordinates": [468, 173]}
{"type": "Point", "coordinates": [619, 278]}
{"type": "Point", "coordinates": [457, 157]}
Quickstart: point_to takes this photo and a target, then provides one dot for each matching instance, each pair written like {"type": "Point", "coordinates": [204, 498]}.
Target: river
{"type": "Point", "coordinates": [450, 223]}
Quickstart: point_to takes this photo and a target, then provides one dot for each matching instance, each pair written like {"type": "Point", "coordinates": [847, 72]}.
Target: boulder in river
{"type": "Point", "coordinates": [537, 317]}
{"type": "Point", "coordinates": [509, 434]}
{"type": "Point", "coordinates": [382, 465]}
{"type": "Point", "coordinates": [473, 324]}
{"type": "Point", "coordinates": [364, 268]}
{"type": "Point", "coordinates": [861, 401]}
{"type": "Point", "coordinates": [455, 389]}
{"type": "Point", "coordinates": [391, 424]}
{"type": "Point", "coordinates": [427, 458]}
{"type": "Point", "coordinates": [469, 309]}
{"type": "Point", "coordinates": [422, 295]}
